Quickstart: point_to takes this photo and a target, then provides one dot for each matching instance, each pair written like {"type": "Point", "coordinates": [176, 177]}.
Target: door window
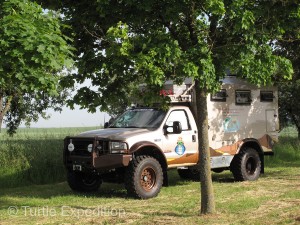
{"type": "Point", "coordinates": [181, 116]}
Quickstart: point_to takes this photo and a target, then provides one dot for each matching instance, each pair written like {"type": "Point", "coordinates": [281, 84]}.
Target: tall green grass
{"type": "Point", "coordinates": [34, 156]}
{"type": "Point", "coordinates": [286, 151]}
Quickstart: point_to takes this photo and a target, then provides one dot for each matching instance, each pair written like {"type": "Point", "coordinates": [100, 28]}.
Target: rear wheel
{"type": "Point", "coordinates": [83, 182]}
{"type": "Point", "coordinates": [246, 165]}
{"type": "Point", "coordinates": [144, 177]}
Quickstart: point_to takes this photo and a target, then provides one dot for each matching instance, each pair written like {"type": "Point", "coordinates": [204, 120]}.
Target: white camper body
{"type": "Point", "coordinates": [240, 113]}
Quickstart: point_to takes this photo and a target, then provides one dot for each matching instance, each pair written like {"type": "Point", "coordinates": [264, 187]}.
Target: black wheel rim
{"type": "Point", "coordinates": [251, 166]}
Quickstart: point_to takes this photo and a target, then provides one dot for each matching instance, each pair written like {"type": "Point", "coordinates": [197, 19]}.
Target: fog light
{"type": "Point", "coordinates": [71, 147]}
{"type": "Point", "coordinates": [90, 148]}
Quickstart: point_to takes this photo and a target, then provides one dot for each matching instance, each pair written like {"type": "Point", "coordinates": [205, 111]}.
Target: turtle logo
{"type": "Point", "coordinates": [231, 125]}
{"type": "Point", "coordinates": [180, 148]}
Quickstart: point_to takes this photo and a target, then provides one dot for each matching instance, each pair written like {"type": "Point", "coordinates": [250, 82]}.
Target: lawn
{"type": "Point", "coordinates": [33, 190]}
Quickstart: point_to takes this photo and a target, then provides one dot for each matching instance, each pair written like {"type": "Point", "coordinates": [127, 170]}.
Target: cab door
{"type": "Point", "coordinates": [180, 149]}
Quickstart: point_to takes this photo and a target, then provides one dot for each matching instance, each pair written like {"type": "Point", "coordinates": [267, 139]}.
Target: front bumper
{"type": "Point", "coordinates": [98, 163]}
{"type": "Point", "coordinates": [97, 160]}
{"type": "Point", "coordinates": [111, 161]}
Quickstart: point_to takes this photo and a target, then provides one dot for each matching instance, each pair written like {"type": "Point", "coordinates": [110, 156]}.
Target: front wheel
{"type": "Point", "coordinates": [246, 165]}
{"type": "Point", "coordinates": [83, 182]}
{"type": "Point", "coordinates": [144, 177]}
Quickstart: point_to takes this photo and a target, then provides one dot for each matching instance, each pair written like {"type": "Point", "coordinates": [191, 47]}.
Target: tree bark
{"type": "Point", "coordinates": [1, 105]}
{"type": "Point", "coordinates": [1, 120]}
{"type": "Point", "coordinates": [295, 121]}
{"type": "Point", "coordinates": [207, 193]}
{"type": "Point", "coordinates": [4, 107]}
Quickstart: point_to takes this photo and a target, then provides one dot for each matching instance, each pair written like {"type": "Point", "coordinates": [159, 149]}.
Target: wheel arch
{"type": "Point", "coordinates": [254, 144]}
{"type": "Point", "coordinates": [151, 149]}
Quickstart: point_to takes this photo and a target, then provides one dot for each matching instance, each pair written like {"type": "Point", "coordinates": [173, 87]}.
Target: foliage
{"type": "Point", "coordinates": [289, 92]}
{"type": "Point", "coordinates": [153, 41]}
{"type": "Point", "coordinates": [33, 50]}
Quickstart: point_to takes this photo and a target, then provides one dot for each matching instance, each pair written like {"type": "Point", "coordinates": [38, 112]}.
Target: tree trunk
{"type": "Point", "coordinates": [298, 130]}
{"type": "Point", "coordinates": [1, 109]}
{"type": "Point", "coordinates": [4, 107]}
{"type": "Point", "coordinates": [295, 121]}
{"type": "Point", "coordinates": [207, 194]}
{"type": "Point", "coordinates": [1, 120]}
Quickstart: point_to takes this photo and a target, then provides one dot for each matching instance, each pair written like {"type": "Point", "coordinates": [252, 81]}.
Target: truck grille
{"type": "Point", "coordinates": [101, 147]}
{"type": "Point", "coordinates": [81, 147]}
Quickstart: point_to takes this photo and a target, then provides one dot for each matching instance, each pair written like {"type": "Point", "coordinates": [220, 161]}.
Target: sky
{"type": "Point", "coordinates": [72, 118]}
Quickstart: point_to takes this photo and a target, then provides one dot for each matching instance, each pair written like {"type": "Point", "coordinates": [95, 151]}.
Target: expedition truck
{"type": "Point", "coordinates": [142, 144]}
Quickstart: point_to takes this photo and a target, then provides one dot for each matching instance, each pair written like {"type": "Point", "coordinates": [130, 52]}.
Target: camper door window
{"type": "Point", "coordinates": [220, 96]}
{"type": "Point", "coordinates": [266, 96]}
{"type": "Point", "coordinates": [243, 97]}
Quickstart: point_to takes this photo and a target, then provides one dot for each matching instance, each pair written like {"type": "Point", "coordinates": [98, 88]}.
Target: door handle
{"type": "Point", "coordinates": [194, 138]}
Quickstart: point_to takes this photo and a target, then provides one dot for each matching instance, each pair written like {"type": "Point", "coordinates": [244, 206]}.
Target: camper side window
{"type": "Point", "coordinates": [220, 96]}
{"type": "Point", "coordinates": [266, 96]}
{"type": "Point", "coordinates": [243, 97]}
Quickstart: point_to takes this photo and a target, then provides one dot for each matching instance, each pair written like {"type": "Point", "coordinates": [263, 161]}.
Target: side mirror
{"type": "Point", "coordinates": [176, 128]}
{"type": "Point", "coordinates": [106, 124]}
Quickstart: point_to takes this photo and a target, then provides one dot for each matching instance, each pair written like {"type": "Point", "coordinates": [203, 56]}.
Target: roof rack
{"type": "Point", "coordinates": [180, 98]}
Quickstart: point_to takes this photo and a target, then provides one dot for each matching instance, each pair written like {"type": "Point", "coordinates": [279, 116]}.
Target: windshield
{"type": "Point", "coordinates": [140, 118]}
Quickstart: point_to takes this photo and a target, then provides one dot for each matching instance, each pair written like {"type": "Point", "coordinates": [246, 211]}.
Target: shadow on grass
{"type": "Point", "coordinates": [62, 189]}
{"type": "Point", "coordinates": [107, 190]}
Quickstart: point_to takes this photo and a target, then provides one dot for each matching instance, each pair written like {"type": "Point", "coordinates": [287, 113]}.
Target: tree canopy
{"type": "Point", "coordinates": [123, 43]}
{"type": "Point", "coordinates": [289, 91]}
{"type": "Point", "coordinates": [33, 52]}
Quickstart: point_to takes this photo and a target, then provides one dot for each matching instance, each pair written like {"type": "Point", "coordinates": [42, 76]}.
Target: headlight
{"type": "Point", "coordinates": [118, 147]}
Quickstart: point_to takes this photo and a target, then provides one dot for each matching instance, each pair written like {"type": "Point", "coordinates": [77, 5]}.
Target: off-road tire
{"type": "Point", "coordinates": [246, 165]}
{"type": "Point", "coordinates": [189, 174]}
{"type": "Point", "coordinates": [144, 177]}
{"type": "Point", "coordinates": [83, 182]}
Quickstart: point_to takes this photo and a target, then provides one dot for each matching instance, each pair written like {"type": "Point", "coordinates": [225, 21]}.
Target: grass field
{"type": "Point", "coordinates": [33, 190]}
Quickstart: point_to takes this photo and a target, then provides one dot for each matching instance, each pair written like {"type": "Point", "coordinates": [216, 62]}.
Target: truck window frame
{"type": "Point", "coordinates": [244, 92]}
{"type": "Point", "coordinates": [186, 116]}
